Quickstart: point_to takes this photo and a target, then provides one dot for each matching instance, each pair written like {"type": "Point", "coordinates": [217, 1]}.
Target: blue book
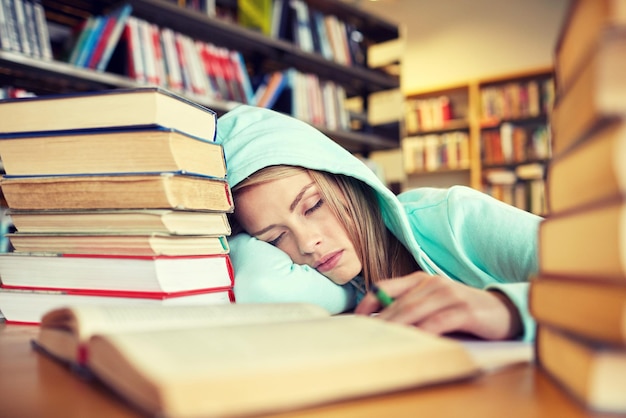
{"type": "Point", "coordinates": [120, 17]}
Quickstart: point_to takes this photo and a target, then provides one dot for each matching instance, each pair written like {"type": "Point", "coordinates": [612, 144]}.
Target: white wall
{"type": "Point", "coordinates": [452, 41]}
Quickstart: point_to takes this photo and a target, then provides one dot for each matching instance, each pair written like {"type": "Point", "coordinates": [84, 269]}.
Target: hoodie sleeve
{"type": "Point", "coordinates": [265, 274]}
{"type": "Point", "coordinates": [478, 240]}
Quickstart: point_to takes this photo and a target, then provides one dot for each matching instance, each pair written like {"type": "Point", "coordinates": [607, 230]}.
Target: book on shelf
{"type": "Point", "coordinates": [243, 78]}
{"type": "Point", "coordinates": [587, 242]}
{"type": "Point", "coordinates": [28, 305]}
{"type": "Point", "coordinates": [255, 15]}
{"type": "Point", "coordinates": [114, 24]}
{"type": "Point", "coordinates": [41, 27]}
{"type": "Point", "coordinates": [116, 273]}
{"type": "Point", "coordinates": [135, 67]}
{"type": "Point", "coordinates": [585, 23]}
{"type": "Point", "coordinates": [592, 373]}
{"type": "Point", "coordinates": [19, 14]}
{"type": "Point", "coordinates": [597, 93]}
{"type": "Point", "coordinates": [87, 41]}
{"type": "Point", "coordinates": [31, 29]}
{"type": "Point", "coordinates": [275, 83]}
{"type": "Point", "coordinates": [140, 107]}
{"type": "Point", "coordinates": [590, 307]}
{"type": "Point", "coordinates": [123, 191]}
{"type": "Point", "coordinates": [8, 38]}
{"type": "Point", "coordinates": [592, 171]}
{"type": "Point", "coordinates": [280, 365]}
{"type": "Point", "coordinates": [149, 243]}
{"type": "Point", "coordinates": [104, 151]}
{"type": "Point", "coordinates": [180, 222]}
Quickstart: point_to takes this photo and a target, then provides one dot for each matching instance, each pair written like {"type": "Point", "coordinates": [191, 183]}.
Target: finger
{"type": "Point", "coordinates": [368, 305]}
{"type": "Point", "coordinates": [428, 299]}
{"type": "Point", "coordinates": [413, 305]}
{"type": "Point", "coordinates": [444, 321]}
{"type": "Point", "coordinates": [393, 287]}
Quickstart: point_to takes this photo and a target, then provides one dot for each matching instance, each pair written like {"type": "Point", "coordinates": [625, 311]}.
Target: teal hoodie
{"type": "Point", "coordinates": [458, 232]}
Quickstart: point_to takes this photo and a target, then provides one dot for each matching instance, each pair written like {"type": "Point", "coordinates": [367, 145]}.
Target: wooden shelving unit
{"type": "Point", "coordinates": [506, 121]}
{"type": "Point", "coordinates": [262, 54]}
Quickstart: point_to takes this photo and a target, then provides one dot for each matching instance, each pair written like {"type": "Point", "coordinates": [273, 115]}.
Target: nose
{"type": "Point", "coordinates": [307, 240]}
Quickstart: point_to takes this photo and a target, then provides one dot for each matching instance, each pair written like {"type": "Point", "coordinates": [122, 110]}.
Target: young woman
{"type": "Point", "coordinates": [307, 211]}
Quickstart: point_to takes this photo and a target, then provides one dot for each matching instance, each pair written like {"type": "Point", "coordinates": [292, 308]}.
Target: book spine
{"type": "Point", "coordinates": [43, 34]}
{"type": "Point", "coordinates": [5, 35]}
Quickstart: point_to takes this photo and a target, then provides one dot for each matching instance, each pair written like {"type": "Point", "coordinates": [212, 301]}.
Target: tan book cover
{"type": "Point", "coordinates": [564, 302]}
{"type": "Point", "coordinates": [132, 191]}
{"type": "Point", "coordinates": [111, 151]}
{"type": "Point", "coordinates": [594, 374]}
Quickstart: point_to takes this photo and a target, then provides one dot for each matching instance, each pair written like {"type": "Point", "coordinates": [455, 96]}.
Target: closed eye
{"type": "Point", "coordinates": [276, 240]}
{"type": "Point", "coordinates": [315, 207]}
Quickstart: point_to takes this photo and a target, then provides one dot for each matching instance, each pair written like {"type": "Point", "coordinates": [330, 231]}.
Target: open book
{"type": "Point", "coordinates": [243, 359]}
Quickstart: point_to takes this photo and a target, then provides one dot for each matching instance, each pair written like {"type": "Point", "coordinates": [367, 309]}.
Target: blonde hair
{"type": "Point", "coordinates": [382, 255]}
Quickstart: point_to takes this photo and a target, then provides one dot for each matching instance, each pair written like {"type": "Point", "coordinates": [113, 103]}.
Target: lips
{"type": "Point", "coordinates": [328, 262]}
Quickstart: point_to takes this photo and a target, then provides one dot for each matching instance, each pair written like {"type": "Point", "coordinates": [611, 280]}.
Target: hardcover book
{"type": "Point", "coordinates": [563, 303]}
{"type": "Point", "coordinates": [591, 172]}
{"type": "Point", "coordinates": [595, 95]}
{"type": "Point", "coordinates": [178, 222]}
{"type": "Point", "coordinates": [28, 305]}
{"type": "Point", "coordinates": [592, 373]}
{"type": "Point", "coordinates": [116, 273]}
{"type": "Point", "coordinates": [119, 244]}
{"type": "Point", "coordinates": [256, 368]}
{"type": "Point", "coordinates": [587, 242]}
{"type": "Point", "coordinates": [124, 191]}
{"type": "Point", "coordinates": [110, 151]}
{"type": "Point", "coordinates": [141, 107]}
{"type": "Point", "coordinates": [585, 24]}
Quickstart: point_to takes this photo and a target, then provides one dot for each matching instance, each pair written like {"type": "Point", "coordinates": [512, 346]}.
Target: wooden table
{"type": "Point", "coordinates": [33, 386]}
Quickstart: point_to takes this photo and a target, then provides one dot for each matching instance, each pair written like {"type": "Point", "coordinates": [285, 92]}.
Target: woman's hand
{"type": "Point", "coordinates": [440, 305]}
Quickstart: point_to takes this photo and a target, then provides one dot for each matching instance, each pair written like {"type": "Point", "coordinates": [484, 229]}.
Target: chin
{"type": "Point", "coordinates": [342, 279]}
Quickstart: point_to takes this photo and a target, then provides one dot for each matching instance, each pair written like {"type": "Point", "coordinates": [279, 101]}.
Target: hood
{"type": "Point", "coordinates": [254, 138]}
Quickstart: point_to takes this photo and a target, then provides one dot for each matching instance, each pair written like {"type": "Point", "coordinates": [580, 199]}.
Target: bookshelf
{"type": "Point", "coordinates": [502, 124]}
{"type": "Point", "coordinates": [262, 54]}
{"type": "Point", "coordinates": [440, 131]}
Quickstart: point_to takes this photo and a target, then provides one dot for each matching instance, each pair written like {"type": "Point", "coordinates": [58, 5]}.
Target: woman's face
{"type": "Point", "coordinates": [290, 214]}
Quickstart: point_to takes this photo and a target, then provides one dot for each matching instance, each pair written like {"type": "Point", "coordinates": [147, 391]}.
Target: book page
{"type": "Point", "coordinates": [218, 371]}
{"type": "Point", "coordinates": [85, 321]}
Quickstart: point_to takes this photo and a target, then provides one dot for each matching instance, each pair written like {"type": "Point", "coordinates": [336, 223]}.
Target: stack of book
{"type": "Point", "coordinates": [579, 296]}
{"type": "Point", "coordinates": [118, 197]}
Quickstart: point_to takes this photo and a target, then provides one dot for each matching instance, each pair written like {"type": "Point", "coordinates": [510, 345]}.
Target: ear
{"type": "Point", "coordinates": [263, 273]}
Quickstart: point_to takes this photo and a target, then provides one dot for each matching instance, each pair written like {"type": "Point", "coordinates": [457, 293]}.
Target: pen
{"type": "Point", "coordinates": [382, 297]}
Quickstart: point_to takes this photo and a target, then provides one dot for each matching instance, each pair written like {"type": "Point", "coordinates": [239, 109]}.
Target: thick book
{"type": "Point", "coordinates": [593, 374]}
{"type": "Point", "coordinates": [98, 273]}
{"type": "Point", "coordinates": [256, 368]}
{"type": "Point", "coordinates": [585, 243]}
{"type": "Point", "coordinates": [110, 151]}
{"type": "Point", "coordinates": [592, 308]}
{"type": "Point", "coordinates": [585, 22]}
{"type": "Point", "coordinates": [596, 94]}
{"type": "Point", "coordinates": [141, 107]}
{"type": "Point", "coordinates": [124, 191]}
{"type": "Point", "coordinates": [119, 244]}
{"type": "Point", "coordinates": [27, 306]}
{"type": "Point", "coordinates": [178, 222]}
{"type": "Point", "coordinates": [591, 172]}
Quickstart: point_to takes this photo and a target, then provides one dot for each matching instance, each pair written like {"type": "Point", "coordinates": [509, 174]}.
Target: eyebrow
{"type": "Point", "coordinates": [292, 207]}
